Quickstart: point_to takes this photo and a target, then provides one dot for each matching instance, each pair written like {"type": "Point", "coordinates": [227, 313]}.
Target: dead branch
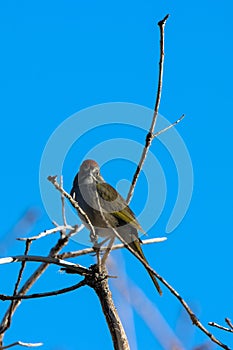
{"type": "Point", "coordinates": [149, 136]}
{"type": "Point", "coordinates": [47, 232]}
{"type": "Point", "coordinates": [168, 127]}
{"type": "Point", "coordinates": [99, 282]}
{"type": "Point", "coordinates": [4, 297]}
{"type": "Point", "coordinates": [73, 202]}
{"type": "Point", "coordinates": [86, 251]}
{"type": "Point", "coordinates": [23, 265]}
{"type": "Point", "coordinates": [214, 324]}
{"type": "Point", "coordinates": [228, 321]}
{"type": "Point", "coordinates": [81, 270]}
{"type": "Point", "coordinates": [29, 283]}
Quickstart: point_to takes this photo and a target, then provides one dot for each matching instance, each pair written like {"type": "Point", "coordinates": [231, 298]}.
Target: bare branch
{"type": "Point", "coordinates": [23, 265]}
{"type": "Point", "coordinates": [20, 343]}
{"type": "Point", "coordinates": [168, 127]}
{"type": "Point", "coordinates": [48, 260]}
{"type": "Point", "coordinates": [29, 283]}
{"type": "Point", "coordinates": [107, 250]}
{"type": "Point", "coordinates": [4, 297]}
{"type": "Point", "coordinates": [149, 136]}
{"type": "Point", "coordinates": [116, 246]}
{"type": "Point", "coordinates": [73, 202]}
{"type": "Point", "coordinates": [46, 233]}
{"type": "Point", "coordinates": [99, 282]}
{"type": "Point", "coordinates": [228, 321]}
{"type": "Point", "coordinates": [63, 204]}
{"type": "Point", "coordinates": [214, 324]}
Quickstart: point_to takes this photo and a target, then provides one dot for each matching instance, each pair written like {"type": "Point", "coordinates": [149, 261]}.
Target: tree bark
{"type": "Point", "coordinates": [99, 282]}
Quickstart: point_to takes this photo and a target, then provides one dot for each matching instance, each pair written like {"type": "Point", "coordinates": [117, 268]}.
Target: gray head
{"type": "Point", "coordinates": [89, 172]}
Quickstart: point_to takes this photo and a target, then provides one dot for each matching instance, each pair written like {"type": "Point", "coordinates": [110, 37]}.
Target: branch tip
{"type": "Point", "coordinates": [163, 21]}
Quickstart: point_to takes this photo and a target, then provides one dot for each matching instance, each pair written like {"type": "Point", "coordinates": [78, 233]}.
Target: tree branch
{"type": "Point", "coordinates": [4, 297]}
{"type": "Point", "coordinates": [47, 260]}
{"type": "Point", "coordinates": [75, 204]}
{"type": "Point", "coordinates": [86, 251]}
{"type": "Point", "coordinates": [47, 232]}
{"type": "Point", "coordinates": [149, 136]}
{"type": "Point", "coordinates": [29, 283]}
{"type": "Point", "coordinates": [214, 324]}
{"type": "Point", "coordinates": [99, 282]}
{"type": "Point", "coordinates": [168, 127]}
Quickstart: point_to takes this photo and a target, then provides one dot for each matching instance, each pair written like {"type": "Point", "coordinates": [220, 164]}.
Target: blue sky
{"type": "Point", "coordinates": [59, 57]}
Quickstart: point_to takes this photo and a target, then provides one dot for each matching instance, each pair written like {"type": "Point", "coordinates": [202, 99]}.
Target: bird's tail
{"type": "Point", "coordinates": [135, 245]}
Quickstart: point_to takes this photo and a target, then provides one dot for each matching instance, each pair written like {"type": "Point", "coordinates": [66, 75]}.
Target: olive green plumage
{"type": "Point", "coordinates": [104, 206]}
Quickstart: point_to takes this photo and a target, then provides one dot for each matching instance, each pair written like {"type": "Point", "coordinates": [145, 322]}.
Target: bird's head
{"type": "Point", "coordinates": [89, 172]}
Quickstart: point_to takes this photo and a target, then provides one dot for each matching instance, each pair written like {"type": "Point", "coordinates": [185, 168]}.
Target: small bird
{"type": "Point", "coordinates": [106, 209]}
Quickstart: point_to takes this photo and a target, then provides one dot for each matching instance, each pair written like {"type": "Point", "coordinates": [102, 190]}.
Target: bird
{"type": "Point", "coordinates": [106, 209]}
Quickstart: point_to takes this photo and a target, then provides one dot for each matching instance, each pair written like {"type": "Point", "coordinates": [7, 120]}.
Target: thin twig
{"type": "Point", "coordinates": [228, 321]}
{"type": "Point", "coordinates": [73, 202]}
{"type": "Point", "coordinates": [30, 281]}
{"type": "Point", "coordinates": [4, 297]}
{"type": "Point", "coordinates": [20, 343]}
{"type": "Point", "coordinates": [63, 204]}
{"type": "Point", "coordinates": [149, 136]}
{"type": "Point", "coordinates": [86, 251]}
{"type": "Point", "coordinates": [107, 250]}
{"type": "Point", "coordinates": [47, 232]}
{"type": "Point", "coordinates": [147, 310]}
{"type": "Point", "coordinates": [214, 324]}
{"type": "Point", "coordinates": [23, 265]}
{"type": "Point", "coordinates": [47, 260]}
{"type": "Point", "coordinates": [168, 127]}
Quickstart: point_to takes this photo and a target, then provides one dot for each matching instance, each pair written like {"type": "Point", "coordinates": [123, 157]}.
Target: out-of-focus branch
{"type": "Point", "coordinates": [146, 310]}
{"type": "Point", "coordinates": [149, 136]}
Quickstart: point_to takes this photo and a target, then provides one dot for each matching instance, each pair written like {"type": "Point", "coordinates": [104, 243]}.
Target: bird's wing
{"type": "Point", "coordinates": [116, 204]}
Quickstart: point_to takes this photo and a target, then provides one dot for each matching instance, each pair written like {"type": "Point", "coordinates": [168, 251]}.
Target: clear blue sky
{"type": "Point", "coordinates": [58, 57]}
